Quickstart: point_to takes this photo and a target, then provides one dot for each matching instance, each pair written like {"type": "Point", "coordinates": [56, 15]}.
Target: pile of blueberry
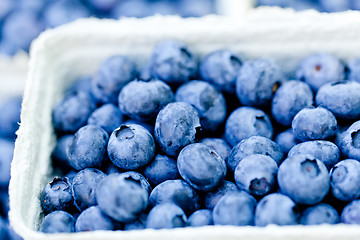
{"type": "Point", "coordinates": [320, 5]}
{"type": "Point", "coordinates": [228, 142]}
{"type": "Point", "coordinates": [9, 123]}
{"type": "Point", "coordinates": [22, 20]}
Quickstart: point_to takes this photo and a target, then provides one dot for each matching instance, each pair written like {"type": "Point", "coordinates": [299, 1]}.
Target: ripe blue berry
{"type": "Point", "coordinates": [320, 214]}
{"type": "Point", "coordinates": [319, 69]}
{"type": "Point", "coordinates": [123, 199]}
{"type": "Point", "coordinates": [87, 149]}
{"type": "Point", "coordinates": [172, 62]}
{"type": "Point", "coordinates": [57, 195]}
{"type": "Point", "coordinates": [276, 209]}
{"type": "Point", "coordinates": [208, 101]}
{"type": "Point", "coordinates": [201, 166]}
{"type": "Point", "coordinates": [314, 123]}
{"type": "Point", "coordinates": [304, 178]}
{"type": "Point", "coordinates": [142, 100]}
{"type": "Point", "coordinates": [235, 208]}
{"type": "Point", "coordinates": [58, 222]}
{"type": "Point", "coordinates": [345, 180]}
{"type": "Point", "coordinates": [113, 74]}
{"type": "Point", "coordinates": [202, 217]}
{"type": "Point", "coordinates": [131, 146]}
{"type": "Point", "coordinates": [166, 215]}
{"type": "Point", "coordinates": [257, 81]}
{"type": "Point", "coordinates": [245, 122]}
{"type": "Point", "coordinates": [256, 174]}
{"type": "Point", "coordinates": [176, 126]}
{"type": "Point", "coordinates": [221, 68]}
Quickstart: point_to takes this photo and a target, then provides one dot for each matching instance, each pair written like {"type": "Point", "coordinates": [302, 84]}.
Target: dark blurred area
{"type": "Point", "coordinates": [22, 20]}
{"type": "Point", "coordinates": [319, 5]}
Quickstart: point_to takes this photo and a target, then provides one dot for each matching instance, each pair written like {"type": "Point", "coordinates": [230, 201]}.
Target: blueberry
{"type": "Point", "coordinates": [10, 117]}
{"type": "Point", "coordinates": [350, 142]}
{"type": "Point", "coordinates": [355, 5]}
{"type": "Point", "coordinates": [201, 166]}
{"type": "Point", "coordinates": [113, 74]}
{"type": "Point", "coordinates": [201, 218]}
{"type": "Point", "coordinates": [6, 155]}
{"type": "Point", "coordinates": [21, 27]}
{"type": "Point", "coordinates": [57, 195]}
{"type": "Point", "coordinates": [142, 100]}
{"type": "Point", "coordinates": [345, 179]}
{"type": "Point", "coordinates": [65, 11]}
{"type": "Point", "coordinates": [84, 185]}
{"type": "Point", "coordinates": [101, 5]}
{"type": "Point", "coordinates": [257, 81]}
{"type": "Point", "coordinates": [6, 6]}
{"type": "Point", "coordinates": [286, 140]}
{"type": "Point", "coordinates": [280, 3]}
{"type": "Point", "coordinates": [235, 208]}
{"type": "Point", "coordinates": [131, 8]}
{"type": "Point", "coordinates": [314, 123]}
{"type": "Point", "coordinates": [276, 209]}
{"type": "Point", "coordinates": [58, 222]}
{"type": "Point", "coordinates": [304, 5]}
{"type": "Point", "coordinates": [162, 168]}
{"type": "Point", "coordinates": [4, 203]}
{"type": "Point", "coordinates": [7, 47]}
{"type": "Point", "coordinates": [163, 8]}
{"type": "Point", "coordinates": [88, 147]}
{"type": "Point", "coordinates": [335, 5]}
{"type": "Point", "coordinates": [319, 69]}
{"type": "Point", "coordinates": [212, 197]}
{"type": "Point", "coordinates": [59, 154]}
{"type": "Point", "coordinates": [254, 145]}
{"type": "Point", "coordinates": [139, 178]}
{"type": "Point", "coordinates": [289, 99]}
{"type": "Point", "coordinates": [256, 174]}
{"type": "Point", "coordinates": [123, 199]}
{"type": "Point", "coordinates": [320, 214]}
{"type": "Point", "coordinates": [189, 8]}
{"type": "Point", "coordinates": [176, 126]}
{"type": "Point", "coordinates": [131, 147]}
{"type": "Point", "coordinates": [354, 69]}
{"type": "Point", "coordinates": [166, 215]}
{"type": "Point", "coordinates": [4, 230]}
{"type": "Point", "coordinates": [209, 103]}
{"type": "Point", "coordinates": [304, 178]}
{"type": "Point", "coordinates": [219, 145]}
{"type": "Point", "coordinates": [93, 219]}
{"type": "Point", "coordinates": [342, 99]}
{"type": "Point", "coordinates": [72, 112]}
{"type": "Point", "coordinates": [245, 122]}
{"type": "Point", "coordinates": [107, 117]}
{"type": "Point", "coordinates": [138, 224]}
{"type": "Point", "coordinates": [351, 213]}
{"type": "Point", "coordinates": [172, 62]}
{"type": "Point", "coordinates": [325, 151]}
{"type": "Point", "coordinates": [178, 192]}
{"type": "Point", "coordinates": [221, 68]}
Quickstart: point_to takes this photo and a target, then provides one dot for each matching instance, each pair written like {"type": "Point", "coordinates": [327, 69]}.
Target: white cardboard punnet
{"type": "Point", "coordinates": [59, 56]}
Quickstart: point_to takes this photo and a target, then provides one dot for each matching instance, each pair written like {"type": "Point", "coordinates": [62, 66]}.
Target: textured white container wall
{"type": "Point", "coordinates": [62, 54]}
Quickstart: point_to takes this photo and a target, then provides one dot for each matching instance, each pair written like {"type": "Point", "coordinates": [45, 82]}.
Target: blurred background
{"type": "Point", "coordinates": [21, 21]}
